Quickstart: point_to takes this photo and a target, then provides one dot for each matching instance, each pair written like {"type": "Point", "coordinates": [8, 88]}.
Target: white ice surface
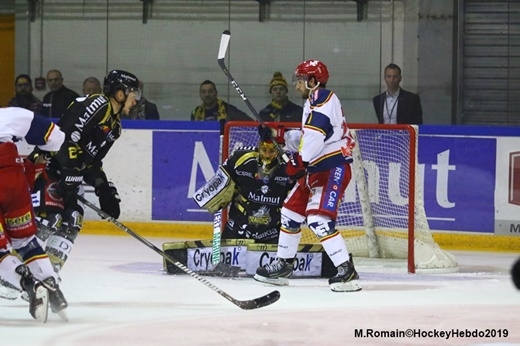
{"type": "Point", "coordinates": [118, 294]}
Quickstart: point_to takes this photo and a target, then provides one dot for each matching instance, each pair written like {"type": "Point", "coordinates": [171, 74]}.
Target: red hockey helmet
{"type": "Point", "coordinates": [312, 68]}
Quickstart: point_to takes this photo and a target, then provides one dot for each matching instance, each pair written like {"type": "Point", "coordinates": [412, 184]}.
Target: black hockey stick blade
{"type": "Point", "coordinates": [260, 302]}
{"type": "Point", "coordinates": [243, 304]}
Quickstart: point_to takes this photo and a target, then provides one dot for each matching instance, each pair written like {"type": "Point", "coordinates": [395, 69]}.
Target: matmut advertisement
{"type": "Point", "coordinates": [470, 182]}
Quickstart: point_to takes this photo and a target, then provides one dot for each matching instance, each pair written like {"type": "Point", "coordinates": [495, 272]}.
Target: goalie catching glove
{"type": "Point", "coordinates": [109, 199]}
{"type": "Point", "coordinates": [216, 193]}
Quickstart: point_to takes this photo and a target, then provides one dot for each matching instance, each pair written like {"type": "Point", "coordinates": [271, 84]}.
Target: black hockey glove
{"type": "Point", "coordinates": [109, 199]}
{"type": "Point", "coordinates": [265, 133]}
{"type": "Point", "coordinates": [70, 179]}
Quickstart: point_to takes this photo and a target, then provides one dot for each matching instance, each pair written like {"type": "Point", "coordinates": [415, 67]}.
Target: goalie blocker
{"type": "Point", "coordinates": [216, 193]}
{"type": "Point", "coordinates": [311, 259]}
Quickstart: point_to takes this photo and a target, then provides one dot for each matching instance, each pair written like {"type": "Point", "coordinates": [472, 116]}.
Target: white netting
{"type": "Point", "coordinates": [374, 217]}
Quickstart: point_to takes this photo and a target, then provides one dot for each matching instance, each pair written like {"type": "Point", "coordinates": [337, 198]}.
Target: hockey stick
{"type": "Point", "coordinates": [215, 250]}
{"type": "Point", "coordinates": [217, 218]}
{"type": "Point", "coordinates": [219, 267]}
{"type": "Point", "coordinates": [224, 43]}
{"type": "Point", "coordinates": [256, 303]}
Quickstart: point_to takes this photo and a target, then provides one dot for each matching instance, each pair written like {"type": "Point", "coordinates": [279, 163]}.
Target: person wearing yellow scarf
{"type": "Point", "coordinates": [213, 108]}
{"type": "Point", "coordinates": [280, 108]}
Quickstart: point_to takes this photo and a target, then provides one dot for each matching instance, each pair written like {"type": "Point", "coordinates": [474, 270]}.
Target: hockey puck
{"type": "Point", "coordinates": [515, 273]}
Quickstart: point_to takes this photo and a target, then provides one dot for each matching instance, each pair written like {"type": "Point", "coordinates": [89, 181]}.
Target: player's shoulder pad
{"type": "Point", "coordinates": [243, 156]}
{"type": "Point", "coordinates": [320, 97]}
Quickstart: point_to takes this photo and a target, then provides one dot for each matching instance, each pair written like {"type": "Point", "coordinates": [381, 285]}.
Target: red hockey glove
{"type": "Point", "coordinates": [296, 167]}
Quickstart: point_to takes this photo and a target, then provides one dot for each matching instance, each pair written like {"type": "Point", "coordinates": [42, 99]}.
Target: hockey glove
{"type": "Point", "coordinates": [265, 133]}
{"type": "Point", "coordinates": [70, 179]}
{"type": "Point", "coordinates": [109, 199]}
{"type": "Point", "coordinates": [296, 167]}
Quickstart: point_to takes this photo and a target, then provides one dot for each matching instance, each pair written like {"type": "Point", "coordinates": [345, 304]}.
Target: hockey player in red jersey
{"type": "Point", "coordinates": [322, 166]}
{"type": "Point", "coordinates": [31, 270]}
{"type": "Point", "coordinates": [91, 125]}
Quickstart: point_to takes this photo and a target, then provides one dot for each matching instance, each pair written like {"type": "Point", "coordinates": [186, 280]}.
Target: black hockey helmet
{"type": "Point", "coordinates": [121, 80]}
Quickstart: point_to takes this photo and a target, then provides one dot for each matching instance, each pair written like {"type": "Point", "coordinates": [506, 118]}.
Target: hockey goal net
{"type": "Point", "coordinates": [382, 213]}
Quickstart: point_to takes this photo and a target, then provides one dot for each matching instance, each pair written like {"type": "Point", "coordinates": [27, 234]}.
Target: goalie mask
{"type": "Point", "coordinates": [267, 156]}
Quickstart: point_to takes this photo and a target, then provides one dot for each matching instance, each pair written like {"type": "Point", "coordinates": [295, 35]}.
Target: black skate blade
{"type": "Point", "coordinates": [226, 270]}
{"type": "Point", "coordinates": [259, 302]}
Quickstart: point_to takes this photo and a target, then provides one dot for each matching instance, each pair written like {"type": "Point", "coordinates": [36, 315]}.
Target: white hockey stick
{"type": "Point", "coordinates": [219, 267]}
{"type": "Point", "coordinates": [224, 43]}
{"type": "Point", "coordinates": [250, 304]}
{"type": "Point", "coordinates": [215, 250]}
{"type": "Point", "coordinates": [217, 218]}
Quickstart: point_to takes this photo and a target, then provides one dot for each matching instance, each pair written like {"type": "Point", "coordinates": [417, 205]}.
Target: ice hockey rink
{"type": "Point", "coordinates": [119, 294]}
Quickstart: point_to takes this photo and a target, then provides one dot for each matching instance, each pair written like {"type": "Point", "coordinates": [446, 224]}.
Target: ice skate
{"type": "Point", "coordinates": [24, 296]}
{"type": "Point", "coordinates": [37, 293]}
{"type": "Point", "coordinates": [56, 298]}
{"type": "Point", "coordinates": [347, 279]}
{"type": "Point", "coordinates": [276, 273]}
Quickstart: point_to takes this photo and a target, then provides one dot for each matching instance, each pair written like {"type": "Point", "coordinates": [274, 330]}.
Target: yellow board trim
{"type": "Point", "coordinates": [447, 241]}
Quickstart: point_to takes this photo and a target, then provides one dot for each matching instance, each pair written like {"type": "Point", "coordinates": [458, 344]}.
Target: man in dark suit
{"type": "Point", "coordinates": [396, 105]}
{"type": "Point", "coordinates": [56, 101]}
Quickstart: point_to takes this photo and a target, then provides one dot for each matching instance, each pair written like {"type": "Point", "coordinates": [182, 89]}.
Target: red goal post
{"type": "Point", "coordinates": [382, 213]}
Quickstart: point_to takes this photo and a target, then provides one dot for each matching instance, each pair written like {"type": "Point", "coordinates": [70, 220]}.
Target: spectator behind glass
{"type": "Point", "coordinates": [280, 108]}
{"type": "Point", "coordinates": [213, 108]}
{"type": "Point", "coordinates": [91, 85]}
{"type": "Point", "coordinates": [396, 105]}
{"type": "Point", "coordinates": [24, 97]}
{"type": "Point", "coordinates": [143, 110]}
{"type": "Point", "coordinates": [56, 101]}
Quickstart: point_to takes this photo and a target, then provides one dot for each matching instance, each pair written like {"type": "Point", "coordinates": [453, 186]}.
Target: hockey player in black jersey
{"type": "Point", "coordinates": [91, 125]}
{"type": "Point", "coordinates": [253, 182]}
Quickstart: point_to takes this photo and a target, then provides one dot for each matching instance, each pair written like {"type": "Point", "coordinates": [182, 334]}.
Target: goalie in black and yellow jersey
{"type": "Point", "coordinates": [254, 184]}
